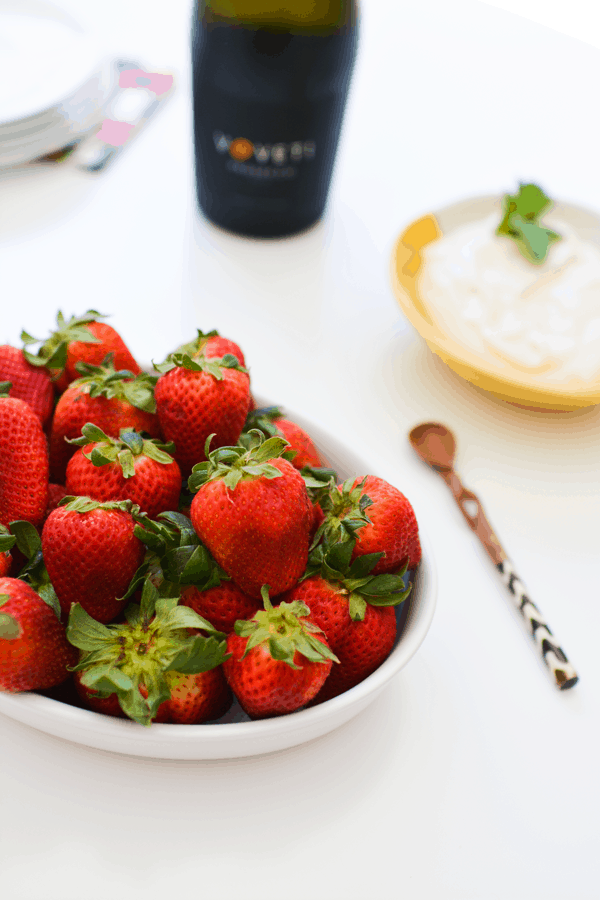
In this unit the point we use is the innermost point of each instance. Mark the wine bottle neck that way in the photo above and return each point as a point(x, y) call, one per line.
point(307, 16)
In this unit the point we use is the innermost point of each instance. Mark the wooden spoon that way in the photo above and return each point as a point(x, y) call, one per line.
point(435, 444)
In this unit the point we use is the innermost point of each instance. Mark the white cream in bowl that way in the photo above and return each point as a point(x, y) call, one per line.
point(542, 319)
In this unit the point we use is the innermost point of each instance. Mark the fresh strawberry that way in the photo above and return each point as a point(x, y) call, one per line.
point(199, 397)
point(271, 421)
point(129, 467)
point(194, 698)
point(7, 542)
point(279, 660)
point(162, 664)
point(213, 346)
point(91, 554)
point(23, 462)
point(107, 399)
point(393, 527)
point(353, 607)
point(81, 339)
point(31, 384)
point(253, 513)
point(222, 605)
point(367, 644)
point(375, 514)
point(34, 651)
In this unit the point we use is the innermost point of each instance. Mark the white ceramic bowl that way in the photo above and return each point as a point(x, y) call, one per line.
point(240, 739)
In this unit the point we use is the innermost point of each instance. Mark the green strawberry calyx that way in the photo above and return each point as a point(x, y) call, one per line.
point(263, 420)
point(5, 387)
point(122, 450)
point(199, 363)
point(106, 381)
point(52, 352)
point(175, 556)
point(284, 630)
point(318, 481)
point(333, 562)
point(194, 347)
point(234, 464)
point(344, 510)
point(134, 659)
point(86, 504)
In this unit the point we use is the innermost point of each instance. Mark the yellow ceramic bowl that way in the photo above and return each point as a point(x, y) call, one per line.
point(505, 380)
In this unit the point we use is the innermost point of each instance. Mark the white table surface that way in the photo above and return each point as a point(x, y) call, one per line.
point(471, 777)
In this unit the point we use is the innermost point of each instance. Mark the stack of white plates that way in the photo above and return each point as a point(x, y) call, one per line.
point(53, 81)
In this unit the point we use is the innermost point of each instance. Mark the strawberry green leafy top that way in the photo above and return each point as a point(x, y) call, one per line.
point(235, 464)
point(53, 351)
point(333, 562)
point(106, 381)
point(122, 450)
point(284, 630)
point(521, 222)
point(200, 363)
point(175, 556)
point(155, 640)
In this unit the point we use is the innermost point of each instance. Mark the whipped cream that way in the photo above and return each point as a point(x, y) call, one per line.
point(542, 319)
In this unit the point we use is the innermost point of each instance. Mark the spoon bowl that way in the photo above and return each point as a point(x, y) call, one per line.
point(435, 444)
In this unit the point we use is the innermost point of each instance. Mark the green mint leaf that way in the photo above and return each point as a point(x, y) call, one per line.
point(520, 222)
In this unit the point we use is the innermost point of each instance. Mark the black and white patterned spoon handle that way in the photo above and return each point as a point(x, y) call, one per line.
point(554, 657)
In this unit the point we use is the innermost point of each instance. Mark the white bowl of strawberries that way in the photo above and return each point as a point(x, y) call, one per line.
point(323, 577)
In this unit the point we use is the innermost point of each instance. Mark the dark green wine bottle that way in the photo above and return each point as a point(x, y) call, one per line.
point(270, 80)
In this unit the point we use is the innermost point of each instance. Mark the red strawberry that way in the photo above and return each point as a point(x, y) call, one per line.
point(156, 666)
point(353, 607)
point(306, 452)
point(253, 513)
point(367, 644)
point(31, 384)
point(222, 605)
point(393, 527)
point(91, 554)
point(270, 421)
point(125, 468)
point(361, 646)
point(34, 651)
point(23, 463)
point(107, 400)
point(194, 698)
point(80, 340)
point(279, 660)
point(196, 398)
point(212, 345)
